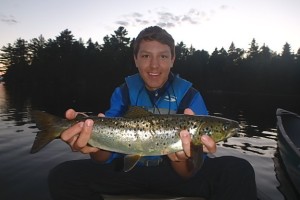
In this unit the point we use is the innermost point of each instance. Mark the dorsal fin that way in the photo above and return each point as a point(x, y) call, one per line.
point(136, 112)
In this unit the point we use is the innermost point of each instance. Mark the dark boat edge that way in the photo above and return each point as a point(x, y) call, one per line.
point(289, 152)
point(279, 113)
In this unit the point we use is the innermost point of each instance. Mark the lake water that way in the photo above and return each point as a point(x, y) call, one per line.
point(23, 175)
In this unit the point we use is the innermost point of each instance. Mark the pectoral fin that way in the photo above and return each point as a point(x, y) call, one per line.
point(196, 157)
point(130, 161)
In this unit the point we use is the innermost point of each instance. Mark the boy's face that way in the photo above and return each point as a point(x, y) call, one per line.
point(154, 61)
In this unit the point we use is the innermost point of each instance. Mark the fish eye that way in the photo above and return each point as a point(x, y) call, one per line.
point(225, 127)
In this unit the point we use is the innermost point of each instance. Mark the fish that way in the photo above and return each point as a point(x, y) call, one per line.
point(140, 133)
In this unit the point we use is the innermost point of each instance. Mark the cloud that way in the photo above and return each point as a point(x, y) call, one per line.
point(223, 7)
point(163, 18)
point(122, 23)
point(142, 22)
point(188, 19)
point(136, 14)
point(10, 20)
point(168, 17)
point(166, 24)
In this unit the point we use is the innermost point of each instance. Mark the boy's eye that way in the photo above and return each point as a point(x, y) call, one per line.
point(145, 56)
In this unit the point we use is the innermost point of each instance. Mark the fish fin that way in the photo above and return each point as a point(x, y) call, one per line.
point(130, 161)
point(137, 112)
point(48, 132)
point(196, 157)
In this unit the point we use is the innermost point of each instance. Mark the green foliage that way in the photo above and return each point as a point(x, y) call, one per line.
point(78, 72)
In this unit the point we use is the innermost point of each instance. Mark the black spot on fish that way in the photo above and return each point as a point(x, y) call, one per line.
point(195, 126)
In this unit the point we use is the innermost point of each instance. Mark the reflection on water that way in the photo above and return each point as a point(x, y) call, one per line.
point(257, 139)
point(24, 175)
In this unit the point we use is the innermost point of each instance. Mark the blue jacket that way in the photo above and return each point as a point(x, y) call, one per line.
point(176, 95)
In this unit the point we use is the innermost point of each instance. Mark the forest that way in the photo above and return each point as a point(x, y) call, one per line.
point(68, 72)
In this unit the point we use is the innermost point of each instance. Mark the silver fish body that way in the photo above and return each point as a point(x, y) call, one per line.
point(157, 134)
point(140, 133)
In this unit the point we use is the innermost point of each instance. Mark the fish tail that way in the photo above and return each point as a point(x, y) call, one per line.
point(48, 131)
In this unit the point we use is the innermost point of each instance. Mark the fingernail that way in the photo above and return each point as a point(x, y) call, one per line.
point(205, 137)
point(184, 134)
point(89, 123)
point(81, 124)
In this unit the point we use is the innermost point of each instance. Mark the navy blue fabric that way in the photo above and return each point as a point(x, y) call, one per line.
point(220, 178)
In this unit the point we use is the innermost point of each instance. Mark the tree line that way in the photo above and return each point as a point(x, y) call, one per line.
point(68, 72)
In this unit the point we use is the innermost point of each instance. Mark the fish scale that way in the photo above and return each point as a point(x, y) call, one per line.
point(160, 131)
point(139, 132)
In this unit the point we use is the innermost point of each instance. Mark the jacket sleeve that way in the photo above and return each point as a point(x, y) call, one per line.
point(197, 104)
point(118, 103)
point(193, 100)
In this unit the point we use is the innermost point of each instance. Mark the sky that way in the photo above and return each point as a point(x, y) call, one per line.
point(204, 24)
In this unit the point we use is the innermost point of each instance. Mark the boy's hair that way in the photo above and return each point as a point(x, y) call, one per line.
point(154, 33)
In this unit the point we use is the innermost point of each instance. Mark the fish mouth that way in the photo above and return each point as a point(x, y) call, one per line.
point(233, 132)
